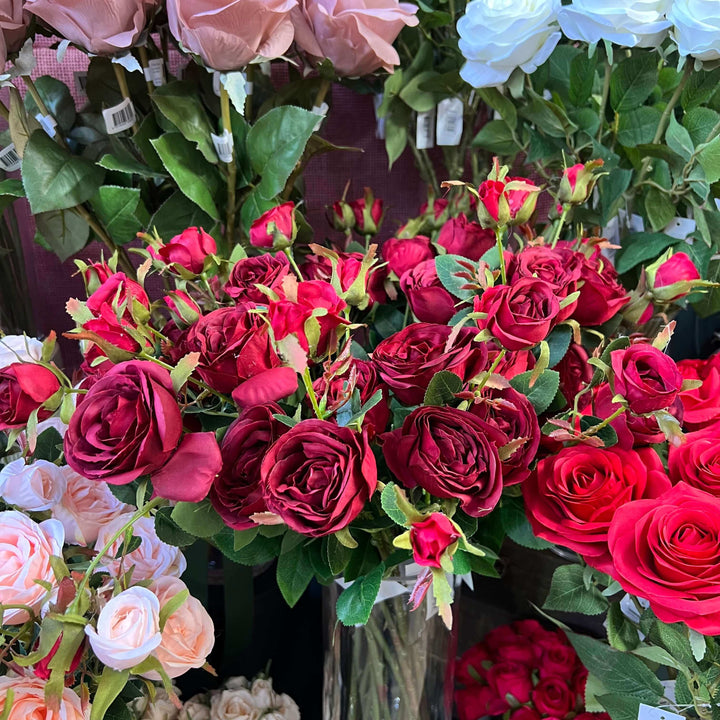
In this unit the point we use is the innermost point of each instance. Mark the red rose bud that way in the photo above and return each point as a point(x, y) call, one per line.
point(672, 276)
point(578, 183)
point(94, 275)
point(275, 228)
point(183, 308)
point(187, 250)
point(42, 668)
point(438, 213)
point(341, 216)
point(506, 202)
point(432, 538)
point(120, 293)
point(24, 389)
point(368, 213)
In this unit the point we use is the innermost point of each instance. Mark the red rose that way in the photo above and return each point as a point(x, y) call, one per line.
point(439, 208)
point(519, 650)
point(408, 360)
point(317, 267)
point(506, 202)
point(525, 713)
point(646, 377)
point(701, 405)
point(24, 389)
point(107, 327)
point(318, 477)
point(431, 537)
point(261, 270)
point(188, 250)
point(275, 228)
point(428, 298)
point(94, 275)
point(459, 236)
point(520, 315)
point(129, 424)
point(512, 363)
point(477, 702)
point(451, 454)
point(511, 678)
point(368, 213)
point(574, 370)
point(577, 183)
point(118, 292)
point(572, 497)
point(499, 636)
point(601, 294)
point(42, 670)
point(471, 668)
point(237, 493)
point(341, 216)
point(592, 716)
point(559, 660)
point(183, 309)
point(403, 254)
point(552, 696)
point(528, 628)
point(667, 550)
point(678, 268)
point(697, 461)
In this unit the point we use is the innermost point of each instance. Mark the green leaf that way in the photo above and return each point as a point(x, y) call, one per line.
point(699, 88)
point(637, 248)
point(497, 101)
point(569, 594)
point(611, 188)
point(496, 136)
point(62, 232)
point(253, 207)
point(275, 144)
point(418, 99)
point(199, 519)
point(708, 156)
point(49, 445)
point(638, 126)
point(53, 178)
point(176, 214)
point(607, 434)
point(659, 209)
point(355, 603)
point(120, 209)
point(294, 571)
point(542, 393)
point(582, 78)
point(57, 98)
point(259, 551)
point(517, 527)
point(558, 341)
point(678, 139)
point(388, 500)
point(442, 388)
point(620, 707)
point(622, 634)
point(172, 605)
point(242, 538)
point(698, 644)
point(447, 267)
point(169, 531)
point(128, 165)
point(338, 556)
point(396, 132)
point(699, 123)
point(110, 686)
point(632, 81)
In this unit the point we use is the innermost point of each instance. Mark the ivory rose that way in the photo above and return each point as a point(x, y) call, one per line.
point(18, 348)
point(29, 701)
point(34, 487)
point(234, 705)
point(697, 27)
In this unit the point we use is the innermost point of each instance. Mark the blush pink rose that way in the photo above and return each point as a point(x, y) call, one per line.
point(29, 701)
point(34, 487)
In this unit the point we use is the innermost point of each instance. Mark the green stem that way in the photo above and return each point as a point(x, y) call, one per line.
point(595, 429)
point(145, 65)
point(499, 232)
point(322, 92)
point(604, 99)
point(558, 229)
point(231, 169)
point(293, 264)
point(492, 369)
point(124, 89)
point(307, 381)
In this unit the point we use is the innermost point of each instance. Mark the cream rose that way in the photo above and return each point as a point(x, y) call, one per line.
point(234, 705)
point(285, 708)
point(196, 708)
point(29, 701)
point(262, 691)
point(19, 348)
point(498, 36)
point(128, 629)
point(34, 487)
point(25, 551)
point(162, 708)
point(697, 28)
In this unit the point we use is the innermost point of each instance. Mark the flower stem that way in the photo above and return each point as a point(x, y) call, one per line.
point(123, 258)
point(499, 232)
point(604, 99)
point(293, 264)
point(145, 65)
point(307, 381)
point(231, 170)
point(124, 89)
point(561, 224)
point(595, 429)
point(491, 370)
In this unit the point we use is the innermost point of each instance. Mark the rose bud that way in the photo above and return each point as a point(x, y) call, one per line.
point(42, 667)
point(24, 389)
point(341, 216)
point(506, 202)
point(94, 275)
point(432, 538)
point(183, 308)
point(578, 182)
point(275, 228)
point(187, 250)
point(672, 276)
point(438, 214)
point(368, 213)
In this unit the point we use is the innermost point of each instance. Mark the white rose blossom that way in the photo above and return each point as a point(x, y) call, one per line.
point(262, 691)
point(35, 487)
point(196, 708)
point(234, 705)
point(697, 28)
point(19, 348)
point(498, 36)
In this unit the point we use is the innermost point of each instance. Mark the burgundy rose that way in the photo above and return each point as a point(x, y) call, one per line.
point(559, 660)
point(24, 389)
point(552, 696)
point(601, 294)
point(275, 228)
point(451, 454)
point(478, 701)
point(408, 360)
point(403, 254)
point(512, 363)
point(519, 650)
point(431, 537)
point(572, 497)
point(472, 667)
point(702, 404)
point(526, 712)
point(318, 477)
point(317, 267)
point(188, 250)
point(250, 272)
point(106, 326)
point(511, 678)
point(575, 371)
point(459, 236)
point(428, 298)
point(117, 292)
point(129, 424)
point(439, 211)
point(697, 461)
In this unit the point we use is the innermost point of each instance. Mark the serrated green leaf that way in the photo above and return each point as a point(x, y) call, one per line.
point(169, 531)
point(294, 569)
point(542, 393)
point(622, 634)
point(632, 81)
point(355, 603)
point(388, 500)
point(442, 388)
point(708, 156)
point(569, 594)
point(448, 267)
point(121, 212)
point(678, 139)
point(199, 519)
point(242, 538)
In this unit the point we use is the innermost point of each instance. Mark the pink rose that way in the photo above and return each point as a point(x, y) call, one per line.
point(34, 487)
point(428, 298)
point(13, 24)
point(673, 279)
point(188, 250)
point(29, 700)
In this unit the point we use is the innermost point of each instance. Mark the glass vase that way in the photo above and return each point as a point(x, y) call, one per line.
point(399, 666)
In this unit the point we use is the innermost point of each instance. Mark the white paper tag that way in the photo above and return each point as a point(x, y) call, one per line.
point(48, 123)
point(265, 68)
point(680, 228)
point(647, 712)
point(248, 85)
point(9, 159)
point(380, 121)
point(425, 130)
point(155, 72)
point(322, 111)
point(216, 83)
point(449, 121)
point(80, 81)
point(223, 145)
point(119, 118)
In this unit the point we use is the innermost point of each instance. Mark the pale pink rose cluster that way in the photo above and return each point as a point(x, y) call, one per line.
point(29, 701)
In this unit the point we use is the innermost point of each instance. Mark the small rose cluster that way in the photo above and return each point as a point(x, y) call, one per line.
point(524, 672)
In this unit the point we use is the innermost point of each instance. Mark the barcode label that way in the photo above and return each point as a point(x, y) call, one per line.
point(155, 72)
point(9, 159)
point(223, 145)
point(81, 82)
point(119, 118)
point(450, 121)
point(425, 131)
point(380, 121)
point(48, 123)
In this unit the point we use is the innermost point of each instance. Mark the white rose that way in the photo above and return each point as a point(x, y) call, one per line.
point(34, 487)
point(629, 23)
point(262, 691)
point(697, 28)
point(196, 708)
point(285, 709)
point(234, 705)
point(162, 708)
point(497, 36)
point(128, 629)
point(238, 682)
point(18, 348)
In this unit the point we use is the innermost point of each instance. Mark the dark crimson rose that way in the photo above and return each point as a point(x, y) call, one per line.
point(558, 660)
point(25, 388)
point(274, 228)
point(261, 270)
point(511, 678)
point(408, 360)
point(451, 454)
point(428, 298)
point(697, 461)
point(129, 424)
point(525, 712)
point(237, 492)
point(368, 212)
point(701, 405)
point(431, 537)
point(267, 386)
point(117, 292)
point(188, 250)
point(552, 696)
point(667, 550)
point(317, 267)
point(520, 315)
point(572, 497)
point(472, 667)
point(499, 637)
point(575, 371)
point(318, 476)
point(519, 650)
point(403, 254)
point(592, 716)
point(512, 363)
point(646, 377)
point(459, 236)
point(601, 294)
point(528, 628)
point(479, 701)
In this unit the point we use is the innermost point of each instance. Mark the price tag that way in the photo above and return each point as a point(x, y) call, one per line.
point(380, 121)
point(120, 117)
point(155, 72)
point(223, 145)
point(425, 130)
point(647, 712)
point(449, 121)
point(9, 159)
point(48, 123)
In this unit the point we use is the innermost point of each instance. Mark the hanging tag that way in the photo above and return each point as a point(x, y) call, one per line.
point(265, 68)
point(322, 111)
point(248, 85)
point(155, 72)
point(223, 145)
point(380, 121)
point(450, 121)
point(216, 83)
point(647, 712)
point(48, 123)
point(425, 131)
point(80, 82)
point(9, 159)
point(119, 118)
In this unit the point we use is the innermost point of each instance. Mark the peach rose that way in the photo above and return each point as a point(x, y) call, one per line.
point(25, 551)
point(103, 27)
point(29, 701)
point(228, 34)
point(356, 35)
point(86, 506)
point(34, 487)
point(152, 559)
point(128, 629)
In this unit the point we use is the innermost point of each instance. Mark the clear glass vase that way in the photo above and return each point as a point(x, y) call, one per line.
point(397, 667)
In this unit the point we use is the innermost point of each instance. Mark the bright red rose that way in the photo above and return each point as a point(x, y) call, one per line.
point(575, 371)
point(511, 678)
point(471, 668)
point(403, 254)
point(459, 236)
point(318, 477)
point(129, 424)
point(107, 327)
point(42, 669)
point(94, 275)
point(408, 360)
point(428, 298)
point(697, 461)
point(317, 267)
point(275, 228)
point(451, 454)
point(506, 202)
point(519, 650)
point(188, 250)
point(559, 660)
point(701, 405)
point(677, 268)
point(646, 377)
point(477, 702)
point(24, 389)
point(601, 294)
point(525, 712)
point(572, 497)
point(431, 537)
point(248, 273)
point(117, 292)
point(520, 315)
point(552, 696)
point(667, 550)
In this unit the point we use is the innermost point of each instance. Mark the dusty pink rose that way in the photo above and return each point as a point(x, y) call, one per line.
point(356, 35)
point(228, 34)
point(13, 25)
point(29, 701)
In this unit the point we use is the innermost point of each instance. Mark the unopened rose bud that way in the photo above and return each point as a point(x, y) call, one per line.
point(341, 216)
point(183, 309)
point(578, 183)
point(672, 277)
point(506, 202)
point(368, 213)
point(275, 228)
point(433, 537)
